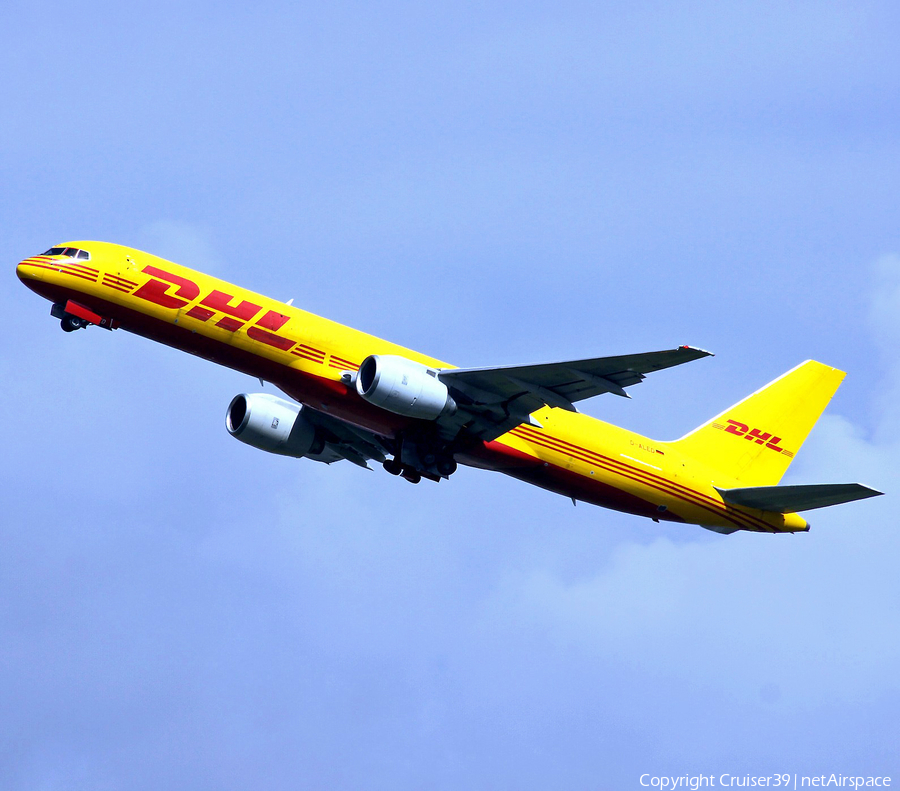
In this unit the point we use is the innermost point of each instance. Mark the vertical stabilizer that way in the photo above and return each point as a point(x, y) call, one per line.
point(754, 441)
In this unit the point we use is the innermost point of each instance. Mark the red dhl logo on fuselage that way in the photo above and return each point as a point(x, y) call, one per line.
point(754, 434)
point(157, 290)
point(176, 292)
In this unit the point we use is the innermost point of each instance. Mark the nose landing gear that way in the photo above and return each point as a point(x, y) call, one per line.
point(71, 323)
point(75, 316)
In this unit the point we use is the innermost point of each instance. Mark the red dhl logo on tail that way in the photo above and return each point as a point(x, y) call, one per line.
point(753, 434)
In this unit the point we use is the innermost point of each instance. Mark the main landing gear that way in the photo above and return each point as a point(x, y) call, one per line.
point(413, 464)
point(395, 467)
point(446, 467)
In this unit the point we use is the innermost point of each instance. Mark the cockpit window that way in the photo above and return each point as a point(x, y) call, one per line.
point(71, 252)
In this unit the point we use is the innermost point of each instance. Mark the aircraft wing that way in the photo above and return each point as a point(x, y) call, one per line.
point(493, 401)
point(346, 441)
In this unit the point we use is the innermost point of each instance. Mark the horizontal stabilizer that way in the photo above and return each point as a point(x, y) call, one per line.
point(789, 499)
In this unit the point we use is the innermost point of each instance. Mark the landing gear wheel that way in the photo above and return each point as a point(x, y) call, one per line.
point(446, 467)
point(393, 466)
point(412, 475)
point(71, 323)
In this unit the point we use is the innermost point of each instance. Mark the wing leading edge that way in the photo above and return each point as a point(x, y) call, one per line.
point(493, 401)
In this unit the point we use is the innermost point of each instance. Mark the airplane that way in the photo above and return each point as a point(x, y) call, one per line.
point(358, 398)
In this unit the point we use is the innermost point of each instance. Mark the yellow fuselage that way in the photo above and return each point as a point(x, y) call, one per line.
point(304, 355)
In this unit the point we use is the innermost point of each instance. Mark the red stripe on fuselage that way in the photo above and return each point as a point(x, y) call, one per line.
point(311, 350)
point(318, 392)
point(337, 399)
point(120, 280)
point(76, 273)
point(645, 477)
point(524, 467)
point(116, 287)
point(663, 484)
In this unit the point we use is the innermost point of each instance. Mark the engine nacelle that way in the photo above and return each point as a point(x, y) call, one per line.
point(403, 387)
point(274, 425)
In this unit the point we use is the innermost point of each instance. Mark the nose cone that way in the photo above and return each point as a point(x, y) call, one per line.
point(28, 271)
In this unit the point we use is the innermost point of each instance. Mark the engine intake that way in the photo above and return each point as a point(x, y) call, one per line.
point(403, 387)
point(274, 425)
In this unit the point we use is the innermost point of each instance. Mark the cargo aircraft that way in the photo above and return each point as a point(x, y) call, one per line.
point(358, 398)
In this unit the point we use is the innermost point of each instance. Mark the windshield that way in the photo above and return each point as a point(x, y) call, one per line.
point(71, 252)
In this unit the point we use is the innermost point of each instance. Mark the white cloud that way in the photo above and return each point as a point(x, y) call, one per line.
point(808, 619)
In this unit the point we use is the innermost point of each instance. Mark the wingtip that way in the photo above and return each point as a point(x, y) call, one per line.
point(701, 352)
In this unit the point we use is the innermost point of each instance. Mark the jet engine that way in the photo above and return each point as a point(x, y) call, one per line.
point(274, 425)
point(403, 387)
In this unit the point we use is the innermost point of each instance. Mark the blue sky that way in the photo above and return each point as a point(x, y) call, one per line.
point(489, 184)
